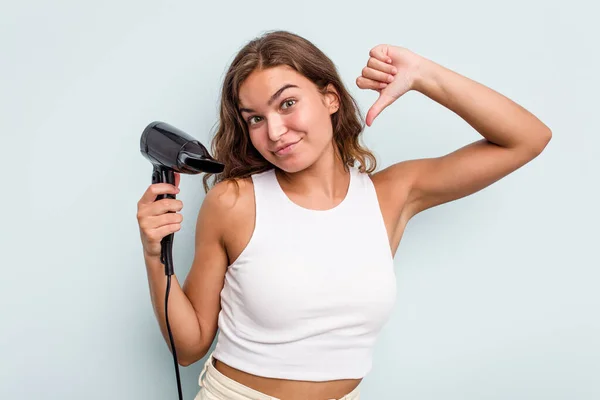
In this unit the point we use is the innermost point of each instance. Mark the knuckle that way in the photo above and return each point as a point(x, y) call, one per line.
point(165, 204)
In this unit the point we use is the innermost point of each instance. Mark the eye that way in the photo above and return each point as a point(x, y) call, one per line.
point(284, 105)
point(251, 119)
point(288, 103)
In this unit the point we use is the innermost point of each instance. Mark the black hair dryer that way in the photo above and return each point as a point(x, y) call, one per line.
point(171, 150)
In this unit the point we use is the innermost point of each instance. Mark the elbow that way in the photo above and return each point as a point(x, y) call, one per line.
point(546, 137)
point(191, 358)
point(185, 363)
point(542, 140)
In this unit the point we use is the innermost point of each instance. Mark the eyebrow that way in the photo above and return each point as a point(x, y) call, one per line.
point(272, 99)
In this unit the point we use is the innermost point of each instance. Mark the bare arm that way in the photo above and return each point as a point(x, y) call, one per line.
point(193, 308)
point(512, 136)
point(206, 278)
point(182, 317)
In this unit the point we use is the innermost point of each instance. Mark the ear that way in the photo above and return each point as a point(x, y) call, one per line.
point(332, 99)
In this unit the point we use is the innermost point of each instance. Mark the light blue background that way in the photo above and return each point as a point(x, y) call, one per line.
point(498, 292)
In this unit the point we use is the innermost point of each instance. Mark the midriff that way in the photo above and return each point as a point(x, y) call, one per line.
point(285, 389)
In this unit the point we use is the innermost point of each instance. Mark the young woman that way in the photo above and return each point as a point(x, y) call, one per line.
point(295, 241)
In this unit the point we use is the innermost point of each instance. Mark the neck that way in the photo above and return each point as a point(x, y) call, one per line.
point(325, 181)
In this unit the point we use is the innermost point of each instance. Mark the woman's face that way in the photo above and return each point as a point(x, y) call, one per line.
point(288, 119)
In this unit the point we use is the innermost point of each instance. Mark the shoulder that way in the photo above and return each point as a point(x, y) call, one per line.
point(226, 194)
point(230, 197)
point(395, 180)
point(228, 204)
point(394, 186)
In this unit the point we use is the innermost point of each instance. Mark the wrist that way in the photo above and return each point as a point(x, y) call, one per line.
point(424, 75)
point(151, 258)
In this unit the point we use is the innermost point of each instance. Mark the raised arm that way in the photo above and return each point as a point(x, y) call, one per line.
point(512, 136)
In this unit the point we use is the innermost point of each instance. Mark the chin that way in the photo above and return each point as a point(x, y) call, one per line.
point(291, 166)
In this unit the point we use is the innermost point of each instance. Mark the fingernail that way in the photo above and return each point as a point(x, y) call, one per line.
point(394, 70)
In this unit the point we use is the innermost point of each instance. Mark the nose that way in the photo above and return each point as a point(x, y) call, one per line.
point(276, 128)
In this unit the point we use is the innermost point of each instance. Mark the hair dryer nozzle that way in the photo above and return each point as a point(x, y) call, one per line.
point(166, 146)
point(190, 161)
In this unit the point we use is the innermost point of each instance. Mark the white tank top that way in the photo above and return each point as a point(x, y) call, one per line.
point(309, 294)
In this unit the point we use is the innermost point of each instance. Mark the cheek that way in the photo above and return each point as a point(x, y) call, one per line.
point(299, 120)
point(258, 138)
point(261, 142)
point(317, 125)
point(308, 121)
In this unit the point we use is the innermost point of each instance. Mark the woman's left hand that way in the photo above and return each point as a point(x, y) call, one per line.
point(391, 71)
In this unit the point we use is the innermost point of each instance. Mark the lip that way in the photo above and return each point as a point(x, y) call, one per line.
point(286, 148)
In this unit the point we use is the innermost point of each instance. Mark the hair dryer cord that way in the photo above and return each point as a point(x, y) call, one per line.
point(167, 260)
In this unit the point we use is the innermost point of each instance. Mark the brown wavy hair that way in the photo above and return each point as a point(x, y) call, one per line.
point(231, 143)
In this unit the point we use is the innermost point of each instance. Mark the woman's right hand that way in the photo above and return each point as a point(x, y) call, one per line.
point(158, 219)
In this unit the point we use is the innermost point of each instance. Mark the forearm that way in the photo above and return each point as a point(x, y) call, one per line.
point(494, 116)
point(183, 321)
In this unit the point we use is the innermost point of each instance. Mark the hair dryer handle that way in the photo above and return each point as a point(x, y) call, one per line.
point(161, 174)
point(165, 175)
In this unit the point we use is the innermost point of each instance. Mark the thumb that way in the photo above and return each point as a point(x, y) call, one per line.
point(382, 102)
point(177, 179)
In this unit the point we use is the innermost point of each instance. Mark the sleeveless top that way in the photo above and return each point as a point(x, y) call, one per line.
point(310, 292)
